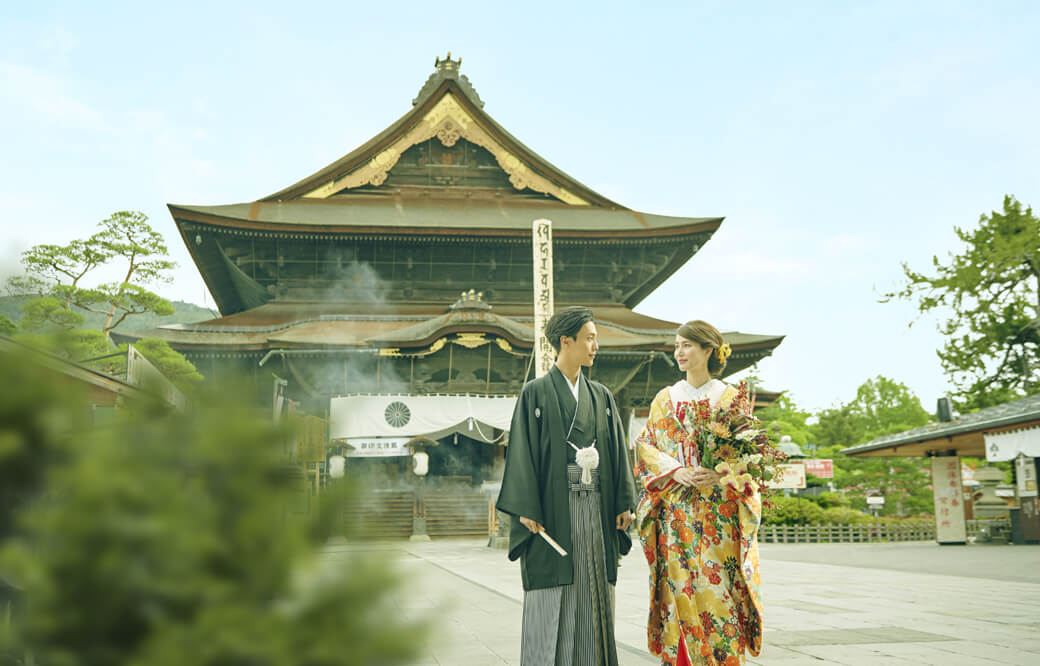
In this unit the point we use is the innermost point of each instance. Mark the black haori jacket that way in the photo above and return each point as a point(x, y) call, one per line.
point(534, 484)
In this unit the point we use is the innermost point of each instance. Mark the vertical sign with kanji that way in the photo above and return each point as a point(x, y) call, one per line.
point(950, 526)
point(541, 234)
point(1025, 475)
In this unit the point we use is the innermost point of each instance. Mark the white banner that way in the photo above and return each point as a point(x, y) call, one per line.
point(433, 416)
point(635, 427)
point(377, 447)
point(541, 236)
point(1007, 445)
point(950, 526)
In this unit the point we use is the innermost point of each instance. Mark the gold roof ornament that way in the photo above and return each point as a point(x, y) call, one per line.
point(447, 63)
point(471, 300)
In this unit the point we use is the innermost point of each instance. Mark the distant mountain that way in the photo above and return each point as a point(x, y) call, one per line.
point(187, 313)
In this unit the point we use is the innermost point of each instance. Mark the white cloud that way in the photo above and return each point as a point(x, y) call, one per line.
point(45, 94)
point(847, 244)
point(60, 42)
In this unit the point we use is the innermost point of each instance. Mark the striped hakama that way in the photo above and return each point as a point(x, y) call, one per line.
point(573, 625)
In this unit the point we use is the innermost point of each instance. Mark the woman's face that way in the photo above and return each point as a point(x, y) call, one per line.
point(690, 355)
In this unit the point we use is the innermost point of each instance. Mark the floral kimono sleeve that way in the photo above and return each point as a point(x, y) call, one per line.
point(656, 451)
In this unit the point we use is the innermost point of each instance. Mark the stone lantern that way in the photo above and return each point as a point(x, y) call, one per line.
point(988, 505)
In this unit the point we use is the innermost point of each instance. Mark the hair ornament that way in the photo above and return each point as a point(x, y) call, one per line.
point(723, 352)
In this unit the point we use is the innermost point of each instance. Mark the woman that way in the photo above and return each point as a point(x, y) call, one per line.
point(698, 536)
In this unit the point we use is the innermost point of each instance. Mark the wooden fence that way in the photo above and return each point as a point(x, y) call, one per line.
point(910, 530)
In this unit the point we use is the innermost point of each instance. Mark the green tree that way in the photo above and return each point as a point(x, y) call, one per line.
point(49, 313)
point(992, 291)
point(85, 345)
point(882, 406)
point(171, 363)
point(168, 538)
point(902, 481)
point(75, 345)
point(789, 419)
point(7, 327)
point(57, 275)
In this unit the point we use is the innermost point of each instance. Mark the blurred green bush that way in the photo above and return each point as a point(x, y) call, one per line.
point(163, 538)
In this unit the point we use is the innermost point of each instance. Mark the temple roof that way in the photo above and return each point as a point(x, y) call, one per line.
point(449, 109)
point(456, 191)
point(410, 329)
point(363, 254)
point(439, 217)
point(445, 172)
point(963, 434)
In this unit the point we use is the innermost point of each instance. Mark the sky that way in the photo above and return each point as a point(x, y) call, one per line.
point(837, 139)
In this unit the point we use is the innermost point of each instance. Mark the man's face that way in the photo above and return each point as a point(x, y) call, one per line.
point(583, 346)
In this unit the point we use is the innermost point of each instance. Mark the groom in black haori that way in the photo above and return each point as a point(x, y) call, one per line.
point(568, 487)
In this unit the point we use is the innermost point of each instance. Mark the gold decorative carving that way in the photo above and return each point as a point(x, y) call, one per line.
point(504, 345)
point(448, 134)
point(435, 347)
point(390, 351)
point(471, 340)
point(449, 122)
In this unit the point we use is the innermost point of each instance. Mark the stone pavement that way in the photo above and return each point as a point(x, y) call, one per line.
point(854, 604)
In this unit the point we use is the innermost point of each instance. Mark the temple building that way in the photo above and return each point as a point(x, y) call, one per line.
point(391, 292)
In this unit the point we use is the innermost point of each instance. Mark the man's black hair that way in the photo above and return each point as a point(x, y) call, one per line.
point(567, 321)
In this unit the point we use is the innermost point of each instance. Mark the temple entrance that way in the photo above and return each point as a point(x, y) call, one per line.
point(422, 460)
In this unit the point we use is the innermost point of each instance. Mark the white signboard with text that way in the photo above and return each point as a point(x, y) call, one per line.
point(541, 235)
point(1025, 476)
point(788, 476)
point(950, 526)
point(377, 447)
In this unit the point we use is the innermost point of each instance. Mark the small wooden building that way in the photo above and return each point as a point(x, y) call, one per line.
point(1005, 432)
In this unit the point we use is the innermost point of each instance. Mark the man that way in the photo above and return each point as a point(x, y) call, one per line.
point(563, 419)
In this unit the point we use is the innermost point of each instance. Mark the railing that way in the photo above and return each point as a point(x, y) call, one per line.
point(455, 513)
point(848, 533)
point(387, 514)
point(911, 530)
point(382, 514)
point(991, 529)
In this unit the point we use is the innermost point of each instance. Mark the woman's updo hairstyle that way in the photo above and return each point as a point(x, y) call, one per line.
point(707, 336)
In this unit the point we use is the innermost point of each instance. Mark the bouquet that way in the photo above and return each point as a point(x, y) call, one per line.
point(733, 442)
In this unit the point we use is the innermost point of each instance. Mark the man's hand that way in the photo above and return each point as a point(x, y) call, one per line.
point(624, 520)
point(531, 525)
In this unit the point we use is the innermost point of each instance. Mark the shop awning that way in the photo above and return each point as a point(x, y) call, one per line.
point(433, 416)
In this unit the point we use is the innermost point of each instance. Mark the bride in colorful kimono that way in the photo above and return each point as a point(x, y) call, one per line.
point(699, 536)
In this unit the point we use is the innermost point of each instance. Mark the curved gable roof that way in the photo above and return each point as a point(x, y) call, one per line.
point(447, 108)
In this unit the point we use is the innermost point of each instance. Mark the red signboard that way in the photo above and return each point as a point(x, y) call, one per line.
point(821, 468)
